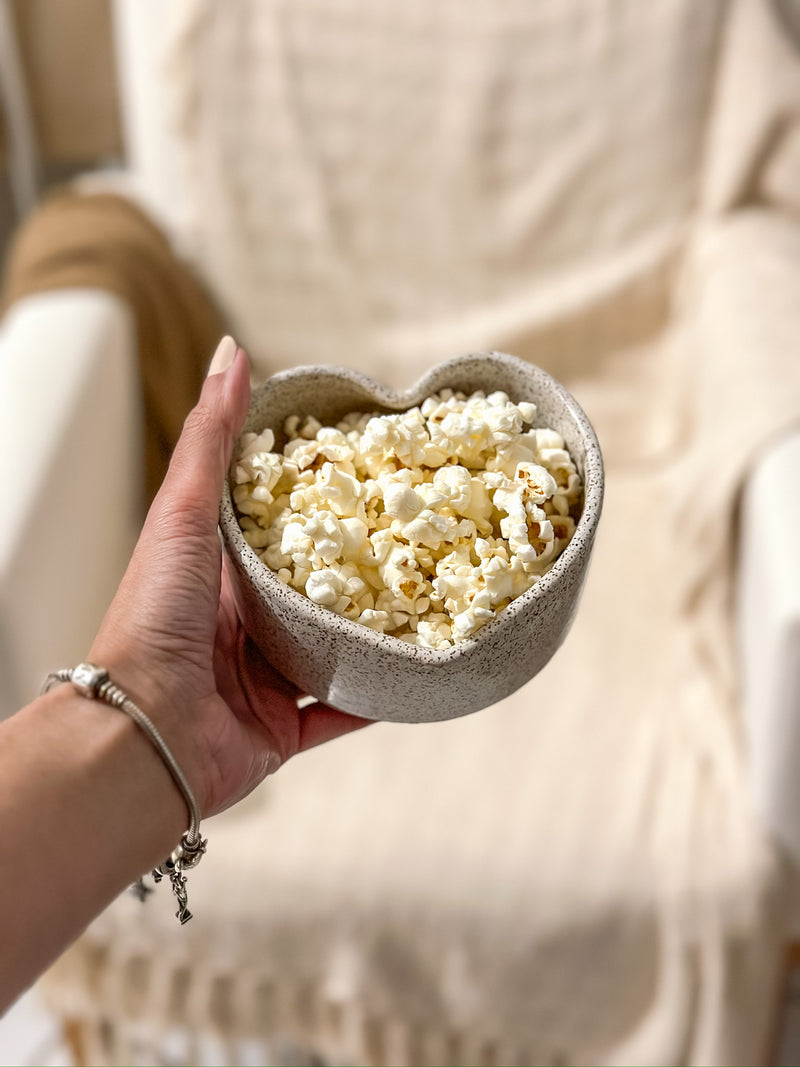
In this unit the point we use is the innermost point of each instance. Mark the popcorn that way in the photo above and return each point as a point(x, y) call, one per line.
point(422, 524)
point(325, 587)
point(538, 483)
point(333, 445)
point(376, 620)
point(341, 490)
point(455, 485)
point(431, 529)
point(296, 544)
point(326, 536)
point(356, 546)
point(401, 502)
point(302, 452)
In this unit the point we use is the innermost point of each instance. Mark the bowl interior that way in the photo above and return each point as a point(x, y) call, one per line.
point(329, 393)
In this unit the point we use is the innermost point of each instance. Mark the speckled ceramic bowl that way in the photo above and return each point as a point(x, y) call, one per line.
point(374, 675)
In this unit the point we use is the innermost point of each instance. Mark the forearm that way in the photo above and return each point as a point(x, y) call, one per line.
point(86, 803)
point(86, 806)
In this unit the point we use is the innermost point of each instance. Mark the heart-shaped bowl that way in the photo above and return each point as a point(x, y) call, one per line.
point(375, 675)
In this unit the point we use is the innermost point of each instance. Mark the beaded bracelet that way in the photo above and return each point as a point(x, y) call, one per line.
point(94, 683)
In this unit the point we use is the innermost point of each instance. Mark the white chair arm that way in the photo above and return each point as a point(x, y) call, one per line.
point(768, 620)
point(70, 478)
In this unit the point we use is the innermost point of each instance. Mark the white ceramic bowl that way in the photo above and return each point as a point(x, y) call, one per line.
point(375, 675)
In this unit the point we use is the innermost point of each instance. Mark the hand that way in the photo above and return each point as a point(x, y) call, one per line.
point(172, 638)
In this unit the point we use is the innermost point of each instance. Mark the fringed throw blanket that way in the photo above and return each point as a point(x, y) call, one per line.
point(574, 875)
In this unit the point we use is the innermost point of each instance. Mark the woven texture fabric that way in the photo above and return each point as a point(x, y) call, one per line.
point(381, 185)
point(574, 875)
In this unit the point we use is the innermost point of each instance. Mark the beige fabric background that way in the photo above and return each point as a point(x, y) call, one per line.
point(384, 185)
point(572, 876)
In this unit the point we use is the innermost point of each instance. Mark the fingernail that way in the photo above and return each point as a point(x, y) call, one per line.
point(223, 357)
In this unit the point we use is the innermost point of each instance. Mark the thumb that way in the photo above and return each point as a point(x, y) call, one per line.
point(193, 484)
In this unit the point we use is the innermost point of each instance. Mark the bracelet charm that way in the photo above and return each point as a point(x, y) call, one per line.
point(94, 683)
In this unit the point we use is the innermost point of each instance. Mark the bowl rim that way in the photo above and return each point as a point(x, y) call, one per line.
point(399, 400)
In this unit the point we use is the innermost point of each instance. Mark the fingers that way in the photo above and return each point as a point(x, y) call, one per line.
point(319, 723)
point(202, 455)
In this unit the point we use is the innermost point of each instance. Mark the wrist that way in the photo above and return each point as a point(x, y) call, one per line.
point(108, 767)
point(150, 687)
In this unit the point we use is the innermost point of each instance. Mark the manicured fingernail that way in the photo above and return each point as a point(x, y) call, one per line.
point(223, 357)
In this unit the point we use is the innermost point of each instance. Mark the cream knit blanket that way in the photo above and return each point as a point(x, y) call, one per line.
point(574, 875)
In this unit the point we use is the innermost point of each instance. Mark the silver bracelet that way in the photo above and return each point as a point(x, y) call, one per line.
point(94, 683)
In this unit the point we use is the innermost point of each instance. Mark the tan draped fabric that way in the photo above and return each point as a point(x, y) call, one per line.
point(76, 240)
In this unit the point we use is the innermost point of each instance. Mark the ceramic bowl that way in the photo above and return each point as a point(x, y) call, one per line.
point(374, 675)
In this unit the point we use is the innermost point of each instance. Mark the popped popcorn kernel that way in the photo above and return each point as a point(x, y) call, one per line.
point(423, 524)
